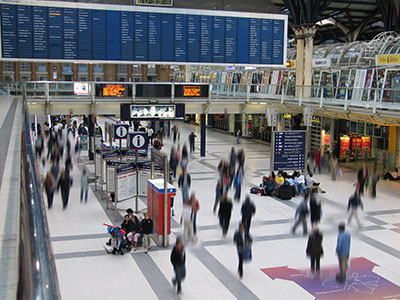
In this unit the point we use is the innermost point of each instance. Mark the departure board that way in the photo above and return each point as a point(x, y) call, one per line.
point(289, 150)
point(66, 31)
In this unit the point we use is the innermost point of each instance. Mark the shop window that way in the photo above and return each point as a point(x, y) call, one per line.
point(25, 67)
point(26, 77)
point(82, 68)
point(67, 68)
point(8, 66)
point(122, 69)
point(67, 78)
point(41, 67)
point(98, 68)
point(122, 78)
point(8, 78)
point(82, 78)
point(98, 78)
point(41, 77)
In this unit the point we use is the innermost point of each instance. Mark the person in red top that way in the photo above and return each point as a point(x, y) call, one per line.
point(195, 208)
point(317, 160)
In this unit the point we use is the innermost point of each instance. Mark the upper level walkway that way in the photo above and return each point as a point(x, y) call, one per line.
point(60, 97)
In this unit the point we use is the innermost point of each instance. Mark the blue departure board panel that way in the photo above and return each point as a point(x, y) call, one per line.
point(113, 35)
point(219, 40)
point(266, 42)
point(40, 35)
point(68, 31)
point(56, 42)
point(141, 39)
point(180, 37)
point(193, 38)
point(25, 36)
point(99, 31)
point(230, 39)
point(206, 39)
point(168, 37)
point(84, 34)
point(127, 35)
point(154, 37)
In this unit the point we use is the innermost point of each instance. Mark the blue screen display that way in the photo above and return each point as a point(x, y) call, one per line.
point(54, 33)
point(289, 150)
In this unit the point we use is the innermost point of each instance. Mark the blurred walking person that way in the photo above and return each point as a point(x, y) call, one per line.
point(48, 186)
point(315, 209)
point(301, 216)
point(353, 204)
point(187, 221)
point(242, 240)
point(238, 184)
point(248, 210)
point(84, 185)
point(184, 183)
point(314, 249)
point(343, 252)
point(224, 214)
point(374, 181)
point(195, 209)
point(192, 137)
point(64, 183)
point(178, 260)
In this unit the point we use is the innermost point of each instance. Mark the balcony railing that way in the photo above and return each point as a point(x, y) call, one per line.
point(346, 97)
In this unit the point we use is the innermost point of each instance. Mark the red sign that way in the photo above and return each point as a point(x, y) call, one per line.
point(353, 143)
point(344, 145)
point(327, 139)
point(366, 144)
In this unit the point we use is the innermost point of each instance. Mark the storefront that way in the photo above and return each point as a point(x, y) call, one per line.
point(361, 140)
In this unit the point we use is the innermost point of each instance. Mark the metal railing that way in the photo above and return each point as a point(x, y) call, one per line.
point(370, 98)
point(37, 271)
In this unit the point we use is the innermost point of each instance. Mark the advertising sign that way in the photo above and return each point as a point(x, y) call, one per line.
point(344, 145)
point(81, 88)
point(84, 142)
point(152, 111)
point(289, 150)
point(366, 145)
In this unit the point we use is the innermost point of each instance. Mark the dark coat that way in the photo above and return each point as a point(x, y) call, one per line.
point(315, 211)
point(248, 210)
point(238, 239)
point(178, 258)
point(147, 226)
point(225, 209)
point(127, 226)
point(314, 244)
point(181, 177)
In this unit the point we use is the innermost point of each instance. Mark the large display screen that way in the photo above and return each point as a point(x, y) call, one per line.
point(59, 31)
point(153, 111)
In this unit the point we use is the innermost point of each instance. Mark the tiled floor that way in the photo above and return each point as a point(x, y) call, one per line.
point(279, 268)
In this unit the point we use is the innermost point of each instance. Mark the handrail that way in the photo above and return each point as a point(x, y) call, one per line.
point(37, 276)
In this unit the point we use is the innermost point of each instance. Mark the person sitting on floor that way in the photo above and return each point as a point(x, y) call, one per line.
point(392, 175)
point(267, 187)
point(312, 185)
point(280, 180)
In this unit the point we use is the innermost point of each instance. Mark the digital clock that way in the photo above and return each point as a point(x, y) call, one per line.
point(155, 2)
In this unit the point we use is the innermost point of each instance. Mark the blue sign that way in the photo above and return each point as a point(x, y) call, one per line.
point(121, 131)
point(289, 150)
point(56, 31)
point(138, 140)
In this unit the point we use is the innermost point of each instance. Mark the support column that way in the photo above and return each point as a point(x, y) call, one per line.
point(187, 73)
point(299, 60)
point(144, 69)
point(203, 135)
point(309, 34)
point(92, 141)
point(332, 134)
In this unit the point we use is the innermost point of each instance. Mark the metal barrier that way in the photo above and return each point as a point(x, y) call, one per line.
point(344, 97)
point(37, 271)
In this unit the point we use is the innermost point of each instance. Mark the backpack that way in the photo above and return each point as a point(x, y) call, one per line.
point(254, 190)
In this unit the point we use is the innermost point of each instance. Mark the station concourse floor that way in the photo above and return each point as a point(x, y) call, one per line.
point(279, 268)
